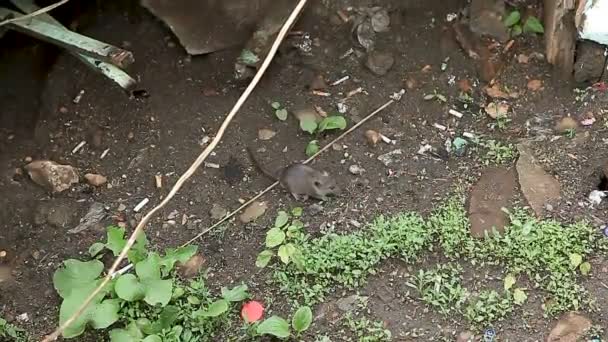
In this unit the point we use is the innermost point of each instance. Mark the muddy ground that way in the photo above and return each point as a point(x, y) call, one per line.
point(162, 135)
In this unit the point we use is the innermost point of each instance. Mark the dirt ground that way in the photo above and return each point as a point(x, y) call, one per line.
point(162, 134)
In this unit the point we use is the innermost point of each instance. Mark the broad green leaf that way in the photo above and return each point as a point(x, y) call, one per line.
point(509, 282)
point(533, 25)
point(332, 122)
point(116, 239)
point(519, 296)
point(168, 316)
point(274, 237)
point(281, 114)
point(76, 274)
point(192, 299)
point(516, 30)
point(152, 338)
point(302, 319)
point(285, 252)
point(181, 255)
point(139, 250)
point(281, 220)
point(312, 148)
point(129, 334)
point(575, 260)
point(105, 313)
point(216, 308)
point(296, 212)
point(247, 57)
point(585, 268)
point(158, 291)
point(98, 314)
point(264, 258)
point(127, 287)
point(96, 248)
point(236, 294)
point(149, 268)
point(512, 19)
point(308, 125)
point(275, 105)
point(274, 326)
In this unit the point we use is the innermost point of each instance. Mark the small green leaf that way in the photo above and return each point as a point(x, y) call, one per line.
point(519, 296)
point(332, 122)
point(181, 254)
point(585, 268)
point(512, 19)
point(575, 260)
point(116, 239)
point(129, 334)
point(275, 326)
point(216, 308)
point(286, 251)
point(509, 282)
point(302, 319)
point(127, 287)
point(274, 237)
point(281, 114)
point(168, 316)
point(533, 25)
point(139, 250)
point(152, 338)
point(516, 30)
point(248, 57)
point(236, 294)
point(275, 105)
point(96, 248)
point(312, 148)
point(296, 212)
point(76, 274)
point(281, 220)
point(264, 258)
point(158, 291)
point(308, 125)
point(191, 299)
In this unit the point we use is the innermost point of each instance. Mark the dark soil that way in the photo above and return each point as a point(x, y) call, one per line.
point(162, 134)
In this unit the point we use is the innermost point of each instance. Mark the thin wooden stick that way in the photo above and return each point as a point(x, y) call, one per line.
point(35, 13)
point(372, 114)
point(197, 163)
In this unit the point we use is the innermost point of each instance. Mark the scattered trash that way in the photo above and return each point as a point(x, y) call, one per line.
point(489, 335)
point(212, 165)
point(266, 134)
point(321, 93)
point(158, 180)
point(460, 146)
point(341, 80)
point(356, 169)
point(439, 126)
point(596, 196)
point(141, 204)
point(78, 97)
point(398, 95)
point(217, 212)
point(588, 119)
point(342, 108)
point(455, 113)
point(96, 213)
point(390, 157)
point(104, 153)
point(379, 63)
point(253, 211)
point(78, 147)
point(24, 317)
point(606, 231)
point(424, 149)
point(570, 327)
point(52, 176)
point(95, 179)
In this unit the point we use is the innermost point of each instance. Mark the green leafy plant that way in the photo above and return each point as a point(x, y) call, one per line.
point(516, 27)
point(497, 152)
point(488, 307)
point(570, 133)
point(9, 332)
point(279, 327)
point(366, 330)
point(281, 237)
point(441, 287)
point(436, 96)
point(312, 147)
point(331, 122)
point(279, 111)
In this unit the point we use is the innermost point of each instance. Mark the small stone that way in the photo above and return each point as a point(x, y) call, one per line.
point(348, 304)
point(379, 63)
point(122, 207)
point(36, 255)
point(522, 59)
point(390, 157)
point(537, 186)
point(253, 211)
point(356, 169)
point(95, 179)
point(570, 328)
point(218, 212)
point(380, 20)
point(315, 209)
point(2, 254)
point(465, 336)
point(52, 176)
point(266, 134)
point(96, 213)
point(27, 159)
point(63, 110)
point(372, 137)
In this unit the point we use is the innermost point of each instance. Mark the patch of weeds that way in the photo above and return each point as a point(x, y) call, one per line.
point(152, 304)
point(450, 226)
point(312, 125)
point(570, 133)
point(502, 121)
point(516, 27)
point(441, 287)
point(10, 332)
point(488, 307)
point(366, 330)
point(347, 259)
point(497, 152)
point(436, 96)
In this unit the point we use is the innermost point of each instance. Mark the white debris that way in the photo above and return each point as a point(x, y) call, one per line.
point(78, 147)
point(343, 79)
point(141, 204)
point(593, 26)
point(596, 196)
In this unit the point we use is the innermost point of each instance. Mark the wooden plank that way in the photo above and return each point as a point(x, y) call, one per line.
point(560, 36)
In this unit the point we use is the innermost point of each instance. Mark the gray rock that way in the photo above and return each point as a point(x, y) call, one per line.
point(52, 176)
point(379, 63)
point(96, 213)
point(217, 212)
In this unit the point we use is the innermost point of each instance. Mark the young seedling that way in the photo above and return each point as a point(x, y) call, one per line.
point(279, 111)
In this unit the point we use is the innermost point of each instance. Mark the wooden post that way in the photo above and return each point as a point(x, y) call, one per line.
point(560, 35)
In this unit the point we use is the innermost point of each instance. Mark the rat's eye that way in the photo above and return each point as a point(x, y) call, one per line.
point(317, 183)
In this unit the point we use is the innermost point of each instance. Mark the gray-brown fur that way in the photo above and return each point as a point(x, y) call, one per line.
point(301, 180)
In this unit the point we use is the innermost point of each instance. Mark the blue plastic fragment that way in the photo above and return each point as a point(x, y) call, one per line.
point(489, 335)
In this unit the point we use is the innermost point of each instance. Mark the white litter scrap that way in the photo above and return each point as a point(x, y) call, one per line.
point(141, 204)
point(596, 196)
point(343, 79)
point(591, 22)
point(78, 147)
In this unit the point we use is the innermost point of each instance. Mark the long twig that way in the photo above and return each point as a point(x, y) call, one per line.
point(270, 187)
point(35, 13)
point(282, 33)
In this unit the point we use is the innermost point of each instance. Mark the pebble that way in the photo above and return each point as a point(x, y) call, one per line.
point(356, 169)
point(122, 207)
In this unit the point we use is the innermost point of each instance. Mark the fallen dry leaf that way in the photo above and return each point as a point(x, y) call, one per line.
point(496, 110)
point(192, 267)
point(465, 85)
point(266, 134)
point(372, 137)
point(95, 179)
point(253, 211)
point(495, 92)
point(523, 59)
point(535, 85)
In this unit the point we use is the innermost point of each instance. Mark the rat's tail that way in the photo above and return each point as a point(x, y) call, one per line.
point(267, 172)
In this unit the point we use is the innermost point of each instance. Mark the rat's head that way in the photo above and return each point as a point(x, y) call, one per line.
point(325, 184)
